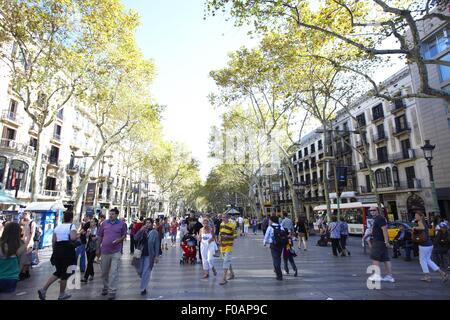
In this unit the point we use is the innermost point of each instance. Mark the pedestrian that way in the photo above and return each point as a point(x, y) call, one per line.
point(149, 239)
point(246, 225)
point(442, 245)
point(403, 239)
point(173, 232)
point(183, 227)
point(196, 230)
point(227, 234)
point(91, 249)
point(63, 256)
point(344, 236)
point(136, 227)
point(166, 230)
point(265, 224)
point(287, 223)
point(302, 233)
point(274, 237)
point(36, 241)
point(11, 248)
point(335, 234)
point(81, 248)
point(28, 232)
point(240, 221)
point(379, 246)
point(254, 223)
point(288, 255)
point(426, 248)
point(208, 247)
point(158, 227)
point(110, 237)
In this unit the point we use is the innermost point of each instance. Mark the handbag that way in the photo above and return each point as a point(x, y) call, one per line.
point(137, 253)
point(419, 237)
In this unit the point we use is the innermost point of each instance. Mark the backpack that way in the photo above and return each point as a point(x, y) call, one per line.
point(280, 237)
point(37, 233)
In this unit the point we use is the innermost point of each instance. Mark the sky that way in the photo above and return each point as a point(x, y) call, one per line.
point(185, 48)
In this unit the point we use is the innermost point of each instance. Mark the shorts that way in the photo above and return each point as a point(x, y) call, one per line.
point(227, 259)
point(379, 252)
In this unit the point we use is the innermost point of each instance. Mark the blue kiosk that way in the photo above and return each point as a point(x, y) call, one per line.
point(47, 215)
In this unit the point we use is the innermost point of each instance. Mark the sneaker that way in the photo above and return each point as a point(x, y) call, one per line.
point(104, 292)
point(295, 274)
point(65, 296)
point(231, 277)
point(41, 293)
point(388, 278)
point(375, 277)
point(144, 292)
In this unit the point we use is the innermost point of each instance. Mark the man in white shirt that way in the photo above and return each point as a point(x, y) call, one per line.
point(241, 225)
point(275, 249)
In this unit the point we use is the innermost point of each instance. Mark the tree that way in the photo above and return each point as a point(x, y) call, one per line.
point(48, 46)
point(364, 25)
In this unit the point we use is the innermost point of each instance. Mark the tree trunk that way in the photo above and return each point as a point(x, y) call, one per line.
point(36, 171)
point(84, 182)
point(287, 166)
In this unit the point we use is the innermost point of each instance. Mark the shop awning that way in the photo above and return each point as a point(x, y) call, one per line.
point(7, 199)
point(45, 206)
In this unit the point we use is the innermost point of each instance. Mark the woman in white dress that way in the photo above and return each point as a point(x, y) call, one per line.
point(208, 248)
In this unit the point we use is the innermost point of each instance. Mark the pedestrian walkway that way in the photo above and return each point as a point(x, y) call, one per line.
point(321, 276)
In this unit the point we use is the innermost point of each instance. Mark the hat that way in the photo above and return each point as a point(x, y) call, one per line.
point(443, 225)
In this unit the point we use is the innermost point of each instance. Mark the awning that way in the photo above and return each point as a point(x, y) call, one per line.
point(351, 205)
point(45, 206)
point(232, 211)
point(7, 199)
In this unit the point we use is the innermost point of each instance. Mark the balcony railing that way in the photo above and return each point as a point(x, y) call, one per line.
point(51, 193)
point(72, 169)
point(380, 137)
point(397, 106)
point(53, 161)
point(404, 156)
point(10, 116)
point(15, 146)
point(57, 136)
point(402, 129)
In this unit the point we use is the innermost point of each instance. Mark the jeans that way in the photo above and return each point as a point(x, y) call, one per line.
point(81, 252)
point(110, 271)
point(276, 258)
point(343, 241)
point(254, 229)
point(336, 246)
point(8, 285)
point(132, 244)
point(146, 270)
point(441, 258)
point(90, 264)
point(425, 259)
point(291, 261)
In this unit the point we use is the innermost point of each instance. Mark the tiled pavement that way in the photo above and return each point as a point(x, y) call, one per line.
point(321, 276)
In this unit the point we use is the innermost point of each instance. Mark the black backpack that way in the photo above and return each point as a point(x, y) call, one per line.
point(280, 237)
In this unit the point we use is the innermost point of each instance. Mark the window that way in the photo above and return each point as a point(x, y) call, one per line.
point(54, 155)
point(57, 133)
point(436, 44)
point(33, 143)
point(380, 178)
point(306, 164)
point(395, 176)
point(306, 151)
point(405, 147)
point(313, 148)
point(13, 107)
point(17, 168)
point(400, 123)
point(60, 114)
point(50, 183)
point(444, 70)
point(361, 119)
point(299, 154)
point(382, 154)
point(388, 177)
point(377, 112)
point(368, 184)
point(380, 131)
point(410, 176)
point(69, 183)
point(345, 126)
point(319, 145)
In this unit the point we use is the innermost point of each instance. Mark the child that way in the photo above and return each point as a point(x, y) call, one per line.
point(289, 254)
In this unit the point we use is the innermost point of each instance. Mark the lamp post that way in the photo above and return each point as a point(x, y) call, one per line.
point(428, 155)
point(299, 189)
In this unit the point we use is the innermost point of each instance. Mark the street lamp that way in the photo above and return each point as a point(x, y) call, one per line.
point(428, 155)
point(299, 189)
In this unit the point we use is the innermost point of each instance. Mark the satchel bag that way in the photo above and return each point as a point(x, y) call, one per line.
point(419, 237)
point(137, 253)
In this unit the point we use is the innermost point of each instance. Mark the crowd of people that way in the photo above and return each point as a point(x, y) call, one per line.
point(202, 239)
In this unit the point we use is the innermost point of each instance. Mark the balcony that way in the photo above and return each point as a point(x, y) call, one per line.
point(56, 138)
point(53, 161)
point(404, 156)
point(380, 138)
point(400, 130)
point(51, 193)
point(16, 147)
point(11, 118)
point(398, 107)
point(362, 166)
point(72, 169)
point(377, 117)
point(365, 189)
point(360, 144)
point(83, 171)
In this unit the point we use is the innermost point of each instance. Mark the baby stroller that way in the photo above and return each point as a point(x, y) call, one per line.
point(189, 247)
